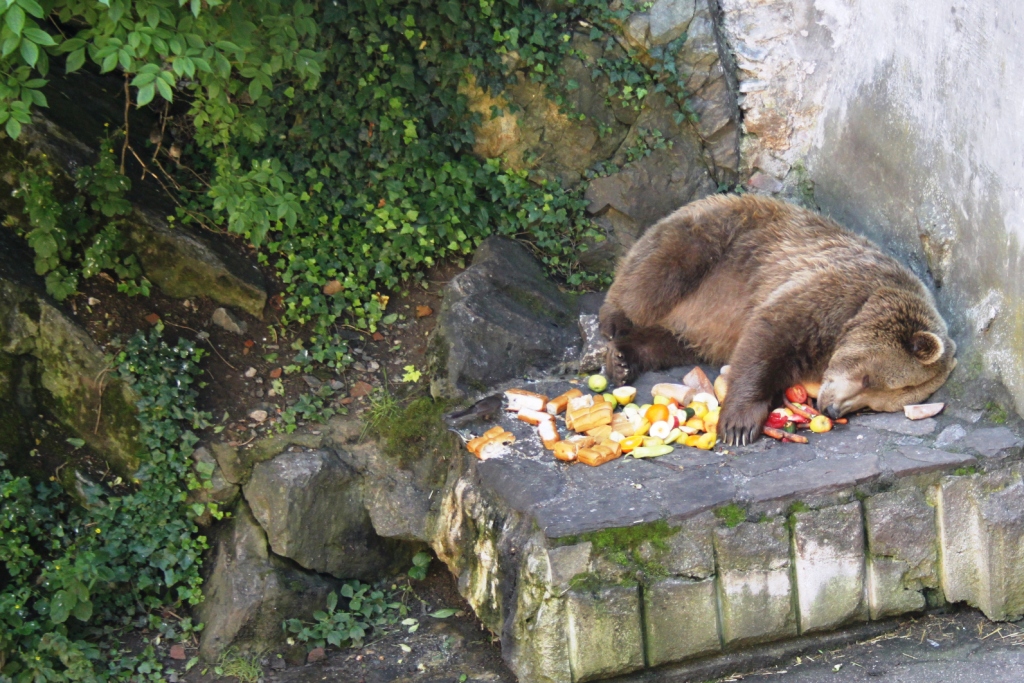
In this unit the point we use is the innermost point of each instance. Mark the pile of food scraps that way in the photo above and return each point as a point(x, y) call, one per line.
point(605, 426)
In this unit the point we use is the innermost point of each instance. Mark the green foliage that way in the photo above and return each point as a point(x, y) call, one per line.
point(79, 225)
point(364, 178)
point(368, 610)
point(797, 506)
point(368, 179)
point(420, 562)
point(732, 515)
point(965, 471)
point(211, 49)
point(73, 574)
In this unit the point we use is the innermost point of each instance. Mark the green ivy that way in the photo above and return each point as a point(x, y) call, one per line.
point(79, 226)
point(213, 50)
point(76, 577)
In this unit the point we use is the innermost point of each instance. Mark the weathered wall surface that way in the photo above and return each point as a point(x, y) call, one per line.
point(904, 119)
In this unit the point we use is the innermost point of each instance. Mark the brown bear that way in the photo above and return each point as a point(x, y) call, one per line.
point(783, 295)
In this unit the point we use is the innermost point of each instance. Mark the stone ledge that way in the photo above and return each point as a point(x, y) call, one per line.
point(591, 573)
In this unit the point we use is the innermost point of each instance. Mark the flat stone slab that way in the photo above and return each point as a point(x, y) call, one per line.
point(595, 572)
point(571, 499)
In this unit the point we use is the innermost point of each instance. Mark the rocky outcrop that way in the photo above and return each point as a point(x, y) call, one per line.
point(500, 318)
point(310, 504)
point(49, 363)
point(249, 591)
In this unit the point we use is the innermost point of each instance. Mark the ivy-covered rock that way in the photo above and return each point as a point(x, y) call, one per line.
point(64, 139)
point(500, 318)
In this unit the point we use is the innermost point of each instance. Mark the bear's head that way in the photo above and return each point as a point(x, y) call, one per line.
point(895, 352)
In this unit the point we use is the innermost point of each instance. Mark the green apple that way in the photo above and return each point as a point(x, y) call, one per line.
point(597, 383)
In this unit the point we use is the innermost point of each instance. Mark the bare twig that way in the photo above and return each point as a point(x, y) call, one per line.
point(127, 108)
point(212, 346)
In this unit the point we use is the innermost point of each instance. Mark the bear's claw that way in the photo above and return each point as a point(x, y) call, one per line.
point(741, 426)
point(620, 370)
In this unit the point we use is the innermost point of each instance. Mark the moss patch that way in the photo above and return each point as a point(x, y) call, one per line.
point(414, 432)
point(965, 471)
point(996, 413)
point(732, 514)
point(623, 546)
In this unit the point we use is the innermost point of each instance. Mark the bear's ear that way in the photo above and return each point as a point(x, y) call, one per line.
point(927, 347)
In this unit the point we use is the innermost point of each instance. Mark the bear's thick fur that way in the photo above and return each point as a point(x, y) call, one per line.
point(783, 295)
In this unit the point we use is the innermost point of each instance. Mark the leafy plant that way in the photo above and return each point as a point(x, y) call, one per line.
point(368, 609)
point(213, 50)
point(79, 224)
point(420, 562)
point(74, 572)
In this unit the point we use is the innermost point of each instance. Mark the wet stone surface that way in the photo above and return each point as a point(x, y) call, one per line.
point(870, 451)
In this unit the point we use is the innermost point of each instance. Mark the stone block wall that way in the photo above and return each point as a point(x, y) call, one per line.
point(580, 608)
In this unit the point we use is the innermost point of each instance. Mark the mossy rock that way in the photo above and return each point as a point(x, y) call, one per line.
point(72, 381)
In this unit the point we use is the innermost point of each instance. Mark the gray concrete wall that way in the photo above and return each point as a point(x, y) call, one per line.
point(905, 118)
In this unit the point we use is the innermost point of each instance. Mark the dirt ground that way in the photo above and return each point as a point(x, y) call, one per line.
point(440, 651)
point(240, 369)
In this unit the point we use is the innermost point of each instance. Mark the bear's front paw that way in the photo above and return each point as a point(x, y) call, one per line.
point(741, 424)
point(620, 364)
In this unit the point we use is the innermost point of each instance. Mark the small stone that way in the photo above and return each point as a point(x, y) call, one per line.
point(93, 301)
point(277, 663)
point(250, 373)
point(359, 366)
point(949, 435)
point(258, 392)
point(203, 336)
point(922, 410)
point(424, 311)
point(226, 320)
point(378, 337)
point(337, 385)
point(152, 318)
point(311, 381)
point(345, 401)
point(258, 416)
point(374, 366)
point(360, 389)
point(275, 373)
point(172, 677)
point(317, 654)
point(332, 288)
point(178, 651)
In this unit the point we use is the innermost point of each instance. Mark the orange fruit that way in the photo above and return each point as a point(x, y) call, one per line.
point(631, 442)
point(656, 413)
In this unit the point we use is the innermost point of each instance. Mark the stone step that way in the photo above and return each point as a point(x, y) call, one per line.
point(590, 573)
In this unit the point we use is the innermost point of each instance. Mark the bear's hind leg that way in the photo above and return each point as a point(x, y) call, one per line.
point(641, 349)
